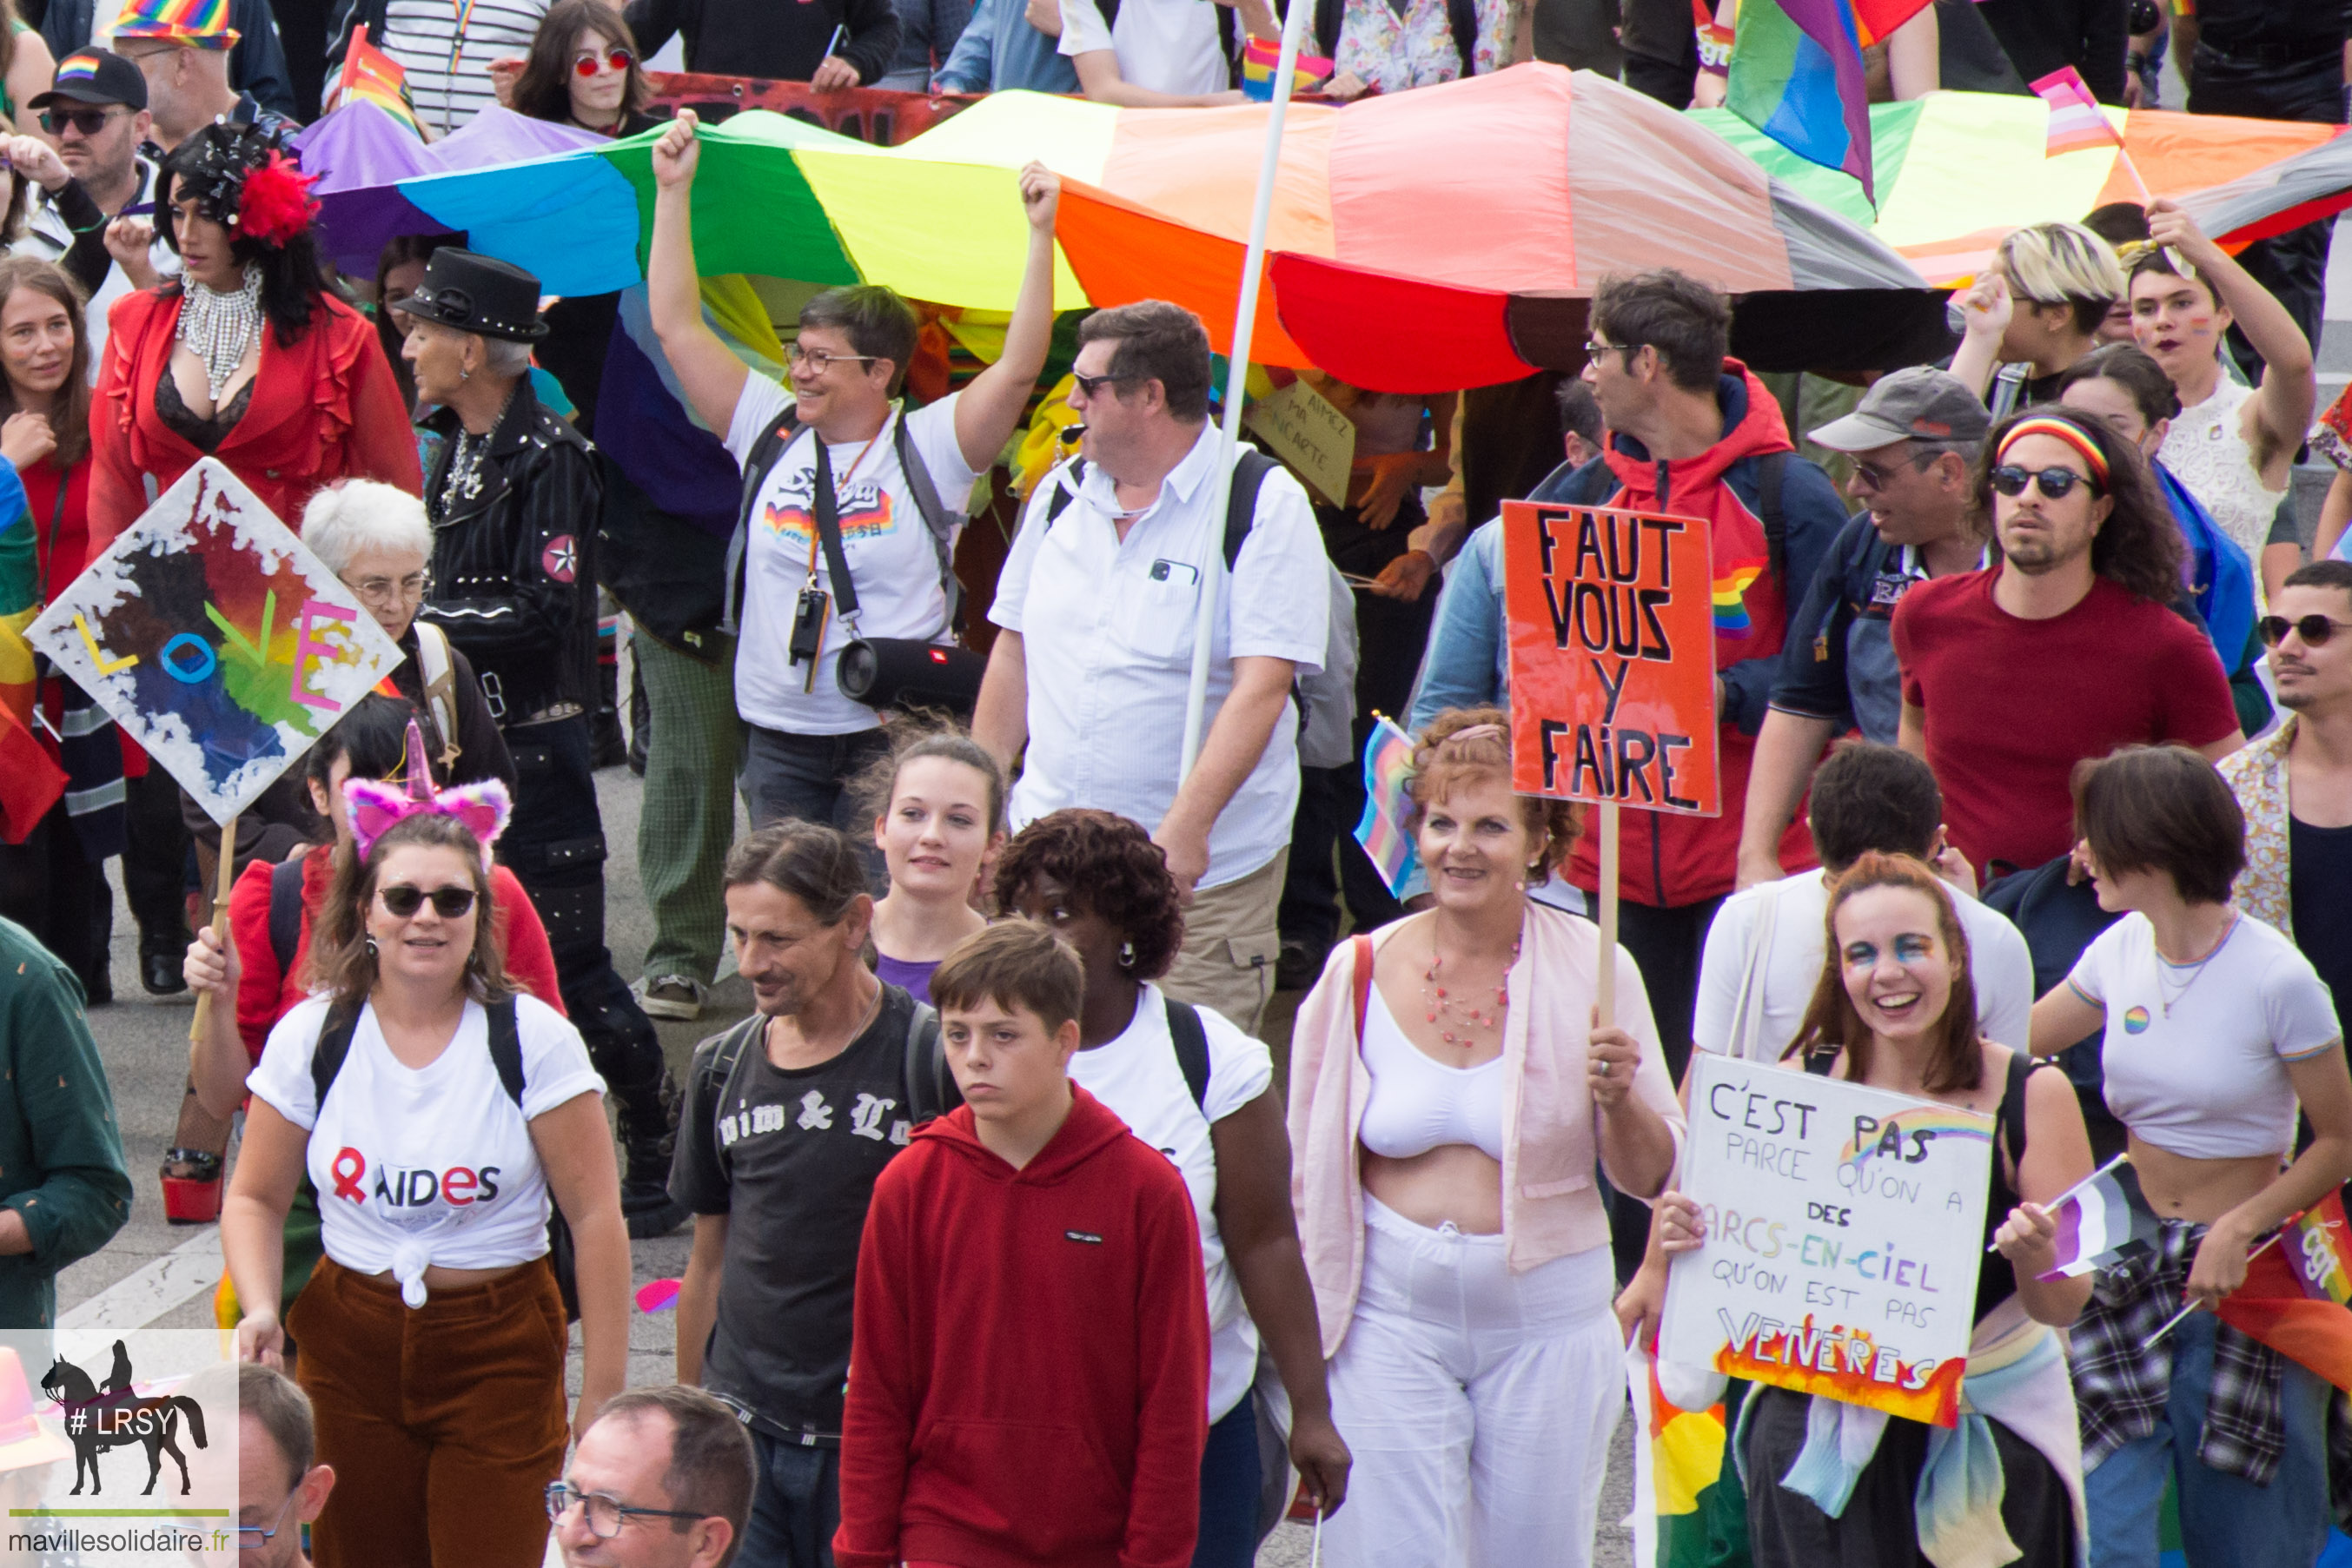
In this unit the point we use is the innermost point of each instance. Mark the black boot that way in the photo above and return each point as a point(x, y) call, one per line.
point(645, 1202)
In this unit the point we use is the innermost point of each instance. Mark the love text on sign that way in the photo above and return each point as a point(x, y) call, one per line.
point(1845, 1228)
point(1612, 656)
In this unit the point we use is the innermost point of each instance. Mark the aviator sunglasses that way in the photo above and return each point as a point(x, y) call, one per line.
point(2056, 484)
point(404, 901)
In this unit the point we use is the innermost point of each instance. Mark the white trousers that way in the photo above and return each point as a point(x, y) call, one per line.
point(1478, 1404)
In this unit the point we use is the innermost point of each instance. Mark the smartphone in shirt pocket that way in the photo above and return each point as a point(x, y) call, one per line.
point(1157, 616)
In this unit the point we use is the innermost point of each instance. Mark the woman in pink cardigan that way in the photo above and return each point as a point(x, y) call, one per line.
point(1450, 1091)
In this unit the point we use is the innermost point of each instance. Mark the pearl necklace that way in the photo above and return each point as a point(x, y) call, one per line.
point(218, 328)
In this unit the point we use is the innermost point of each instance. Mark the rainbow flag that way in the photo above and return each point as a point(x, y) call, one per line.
point(1796, 75)
point(2076, 120)
point(1730, 600)
point(1259, 61)
point(1687, 1505)
point(2316, 1250)
point(372, 76)
point(30, 780)
point(1388, 842)
point(2282, 1306)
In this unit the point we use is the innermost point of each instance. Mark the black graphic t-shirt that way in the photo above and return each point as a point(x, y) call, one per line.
point(791, 1158)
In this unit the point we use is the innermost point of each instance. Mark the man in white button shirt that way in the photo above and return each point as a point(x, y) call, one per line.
point(1092, 669)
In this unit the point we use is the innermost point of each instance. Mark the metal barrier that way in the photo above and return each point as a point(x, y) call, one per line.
point(868, 114)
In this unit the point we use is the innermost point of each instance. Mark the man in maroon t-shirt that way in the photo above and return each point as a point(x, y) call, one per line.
point(2063, 650)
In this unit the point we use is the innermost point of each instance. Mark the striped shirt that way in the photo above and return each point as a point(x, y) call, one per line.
point(447, 48)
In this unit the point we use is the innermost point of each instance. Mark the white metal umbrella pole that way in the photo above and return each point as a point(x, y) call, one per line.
point(1212, 579)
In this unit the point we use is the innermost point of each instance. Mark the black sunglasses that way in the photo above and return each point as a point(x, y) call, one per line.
point(2315, 629)
point(88, 122)
point(1090, 387)
point(2057, 483)
point(404, 901)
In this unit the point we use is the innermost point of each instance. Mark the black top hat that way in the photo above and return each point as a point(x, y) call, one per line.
point(477, 294)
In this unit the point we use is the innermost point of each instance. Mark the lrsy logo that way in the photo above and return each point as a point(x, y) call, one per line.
point(109, 1416)
point(398, 1187)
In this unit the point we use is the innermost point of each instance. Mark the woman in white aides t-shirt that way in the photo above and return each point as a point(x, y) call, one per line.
point(2216, 1030)
point(1100, 881)
point(432, 1334)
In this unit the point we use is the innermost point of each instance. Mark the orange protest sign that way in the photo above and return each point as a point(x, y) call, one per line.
point(1612, 656)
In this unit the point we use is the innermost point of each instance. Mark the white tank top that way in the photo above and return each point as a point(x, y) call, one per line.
point(2206, 450)
point(1419, 1104)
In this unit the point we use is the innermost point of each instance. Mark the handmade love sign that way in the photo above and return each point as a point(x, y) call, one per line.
point(217, 641)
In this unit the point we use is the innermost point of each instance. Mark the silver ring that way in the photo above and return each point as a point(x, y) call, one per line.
point(1604, 1070)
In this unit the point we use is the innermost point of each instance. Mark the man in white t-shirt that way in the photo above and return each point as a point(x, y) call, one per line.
point(1152, 54)
point(1764, 952)
point(807, 740)
point(1099, 605)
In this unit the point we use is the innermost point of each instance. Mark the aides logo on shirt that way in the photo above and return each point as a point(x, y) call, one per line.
point(401, 1192)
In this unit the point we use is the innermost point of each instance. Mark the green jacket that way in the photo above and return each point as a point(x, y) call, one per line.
point(60, 1153)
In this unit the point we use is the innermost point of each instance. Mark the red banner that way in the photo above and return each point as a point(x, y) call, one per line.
point(869, 114)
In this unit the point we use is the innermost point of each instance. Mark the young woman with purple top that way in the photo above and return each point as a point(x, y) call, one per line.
point(939, 820)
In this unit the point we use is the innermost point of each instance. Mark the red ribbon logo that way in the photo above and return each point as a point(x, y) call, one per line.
point(349, 1167)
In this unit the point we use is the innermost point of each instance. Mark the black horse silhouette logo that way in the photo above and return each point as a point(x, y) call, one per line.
point(101, 1417)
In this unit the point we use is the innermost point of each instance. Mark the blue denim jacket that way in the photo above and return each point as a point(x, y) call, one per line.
point(999, 50)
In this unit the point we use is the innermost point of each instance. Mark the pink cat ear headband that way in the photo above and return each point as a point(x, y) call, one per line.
point(374, 807)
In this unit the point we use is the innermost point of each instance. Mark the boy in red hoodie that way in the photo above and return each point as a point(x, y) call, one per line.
point(1029, 1355)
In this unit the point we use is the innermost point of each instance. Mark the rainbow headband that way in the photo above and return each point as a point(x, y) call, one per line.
point(483, 808)
point(2059, 430)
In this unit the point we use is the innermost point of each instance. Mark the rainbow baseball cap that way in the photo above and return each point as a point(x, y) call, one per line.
point(198, 24)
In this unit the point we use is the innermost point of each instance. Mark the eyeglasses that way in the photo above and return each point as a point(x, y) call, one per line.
point(605, 1515)
point(2315, 629)
point(585, 62)
point(253, 1538)
point(382, 592)
point(88, 122)
point(1594, 348)
point(818, 359)
point(404, 901)
point(1090, 387)
point(1879, 478)
point(2057, 483)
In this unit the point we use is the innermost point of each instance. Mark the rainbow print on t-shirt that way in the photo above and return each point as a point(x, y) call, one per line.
point(2136, 1020)
point(1730, 603)
point(788, 519)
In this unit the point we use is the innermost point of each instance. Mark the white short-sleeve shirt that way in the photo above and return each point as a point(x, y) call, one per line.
point(2195, 1055)
point(1167, 46)
point(888, 546)
point(1138, 1077)
point(2000, 963)
point(1107, 628)
point(431, 1165)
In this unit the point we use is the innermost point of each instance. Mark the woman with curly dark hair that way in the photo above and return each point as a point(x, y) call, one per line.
point(245, 357)
point(1193, 1086)
point(1451, 1087)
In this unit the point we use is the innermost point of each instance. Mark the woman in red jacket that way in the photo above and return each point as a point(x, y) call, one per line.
point(245, 357)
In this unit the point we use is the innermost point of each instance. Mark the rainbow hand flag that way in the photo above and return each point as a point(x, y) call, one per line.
point(2076, 120)
point(1259, 61)
point(372, 76)
point(1388, 842)
point(1797, 77)
point(1729, 597)
point(1685, 1494)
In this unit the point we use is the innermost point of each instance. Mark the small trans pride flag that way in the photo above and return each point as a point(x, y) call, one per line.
point(1388, 844)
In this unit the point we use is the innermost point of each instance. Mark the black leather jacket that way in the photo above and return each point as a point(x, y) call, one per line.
point(512, 582)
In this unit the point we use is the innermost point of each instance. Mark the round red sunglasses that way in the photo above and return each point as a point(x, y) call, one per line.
point(620, 59)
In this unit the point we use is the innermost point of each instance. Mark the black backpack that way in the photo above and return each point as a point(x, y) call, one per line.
point(931, 1090)
point(506, 1054)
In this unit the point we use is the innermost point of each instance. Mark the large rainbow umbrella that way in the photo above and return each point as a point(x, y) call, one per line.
point(1442, 238)
point(1957, 171)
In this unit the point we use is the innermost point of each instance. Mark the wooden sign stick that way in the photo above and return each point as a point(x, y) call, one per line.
point(202, 1022)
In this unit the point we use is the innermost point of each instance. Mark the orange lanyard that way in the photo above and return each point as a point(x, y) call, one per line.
point(845, 478)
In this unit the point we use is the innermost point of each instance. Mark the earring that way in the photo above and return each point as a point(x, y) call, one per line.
point(1126, 955)
point(371, 945)
point(467, 374)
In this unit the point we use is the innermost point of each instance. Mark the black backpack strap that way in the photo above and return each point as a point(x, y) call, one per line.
point(286, 910)
point(726, 1062)
point(1772, 471)
point(1240, 503)
point(827, 509)
point(1065, 481)
point(506, 1048)
point(327, 1055)
point(1461, 21)
point(1192, 1038)
point(935, 516)
point(1229, 46)
point(931, 1088)
point(1329, 15)
point(765, 452)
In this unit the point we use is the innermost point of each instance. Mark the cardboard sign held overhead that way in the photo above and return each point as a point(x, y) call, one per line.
point(1844, 1231)
point(1612, 656)
point(215, 639)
